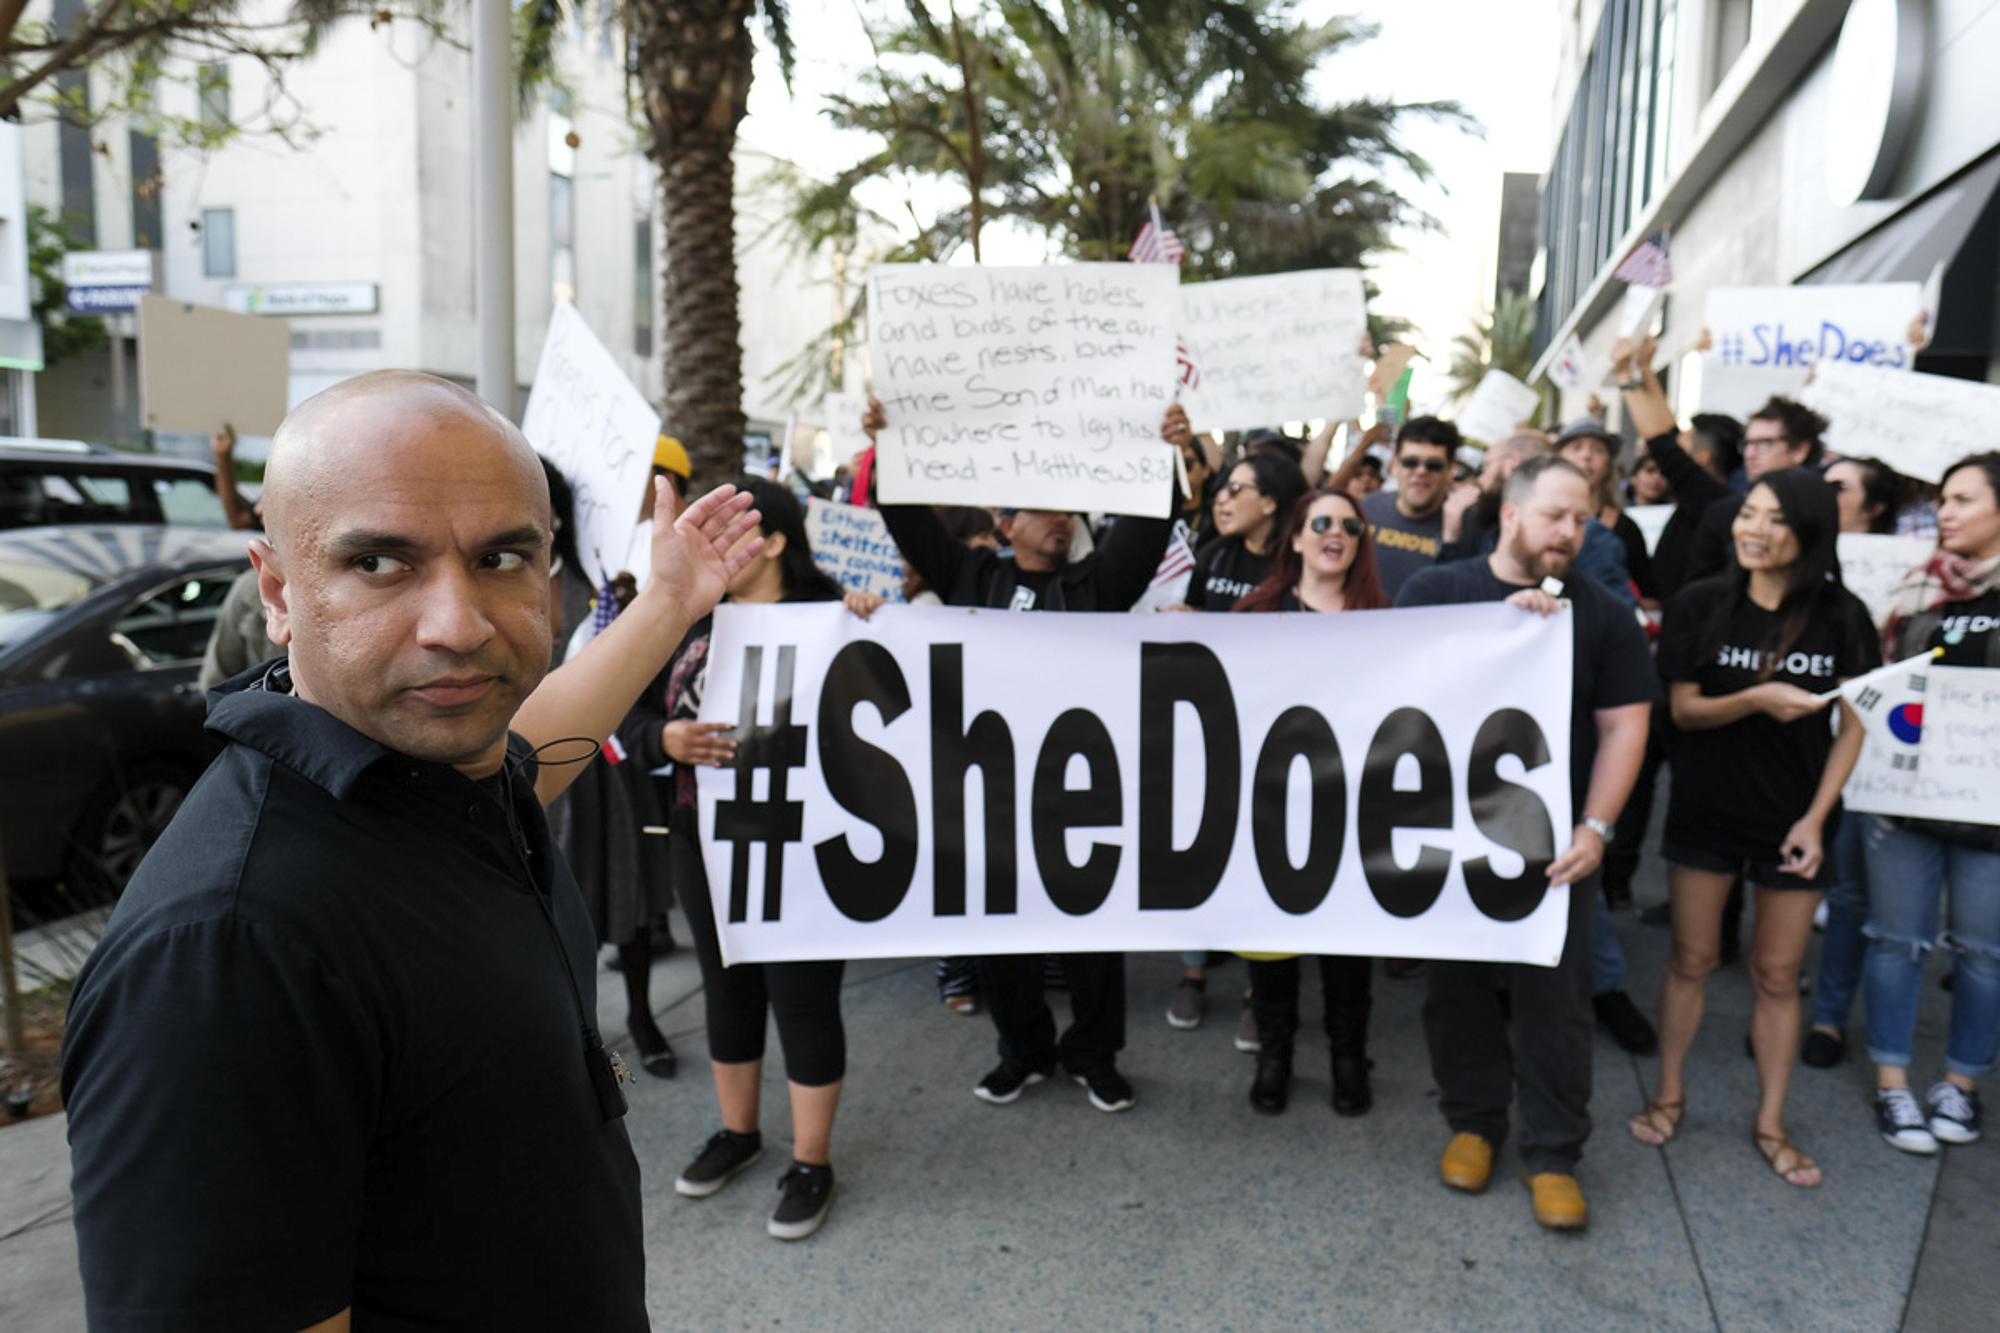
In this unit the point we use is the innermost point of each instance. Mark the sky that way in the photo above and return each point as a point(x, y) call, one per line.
point(1497, 58)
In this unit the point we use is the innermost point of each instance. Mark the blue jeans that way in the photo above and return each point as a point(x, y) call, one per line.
point(1907, 875)
point(1843, 947)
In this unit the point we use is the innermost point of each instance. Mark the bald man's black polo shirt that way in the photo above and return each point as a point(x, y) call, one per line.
point(331, 1052)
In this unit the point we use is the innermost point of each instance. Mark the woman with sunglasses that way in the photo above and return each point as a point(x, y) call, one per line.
point(1757, 779)
point(1324, 561)
point(1249, 507)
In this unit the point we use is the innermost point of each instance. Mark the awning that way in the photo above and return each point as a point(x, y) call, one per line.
point(1909, 245)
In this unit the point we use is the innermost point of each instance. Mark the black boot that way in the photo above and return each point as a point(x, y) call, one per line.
point(1351, 1093)
point(1273, 1085)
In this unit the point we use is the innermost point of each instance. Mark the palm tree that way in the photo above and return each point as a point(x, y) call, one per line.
point(1504, 340)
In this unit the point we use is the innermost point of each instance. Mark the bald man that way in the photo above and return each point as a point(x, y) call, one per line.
point(335, 1063)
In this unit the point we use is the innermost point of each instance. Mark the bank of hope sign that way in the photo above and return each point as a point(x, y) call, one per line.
point(944, 781)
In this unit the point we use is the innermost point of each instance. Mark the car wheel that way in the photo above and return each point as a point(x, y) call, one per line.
point(121, 825)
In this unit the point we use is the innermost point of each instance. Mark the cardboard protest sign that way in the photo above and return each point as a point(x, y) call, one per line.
point(1497, 408)
point(200, 367)
point(1276, 348)
point(947, 781)
point(1871, 566)
point(1917, 424)
point(585, 417)
point(1766, 340)
point(852, 544)
point(1932, 747)
point(1041, 388)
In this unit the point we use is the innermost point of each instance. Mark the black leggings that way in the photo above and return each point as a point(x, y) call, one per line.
point(803, 997)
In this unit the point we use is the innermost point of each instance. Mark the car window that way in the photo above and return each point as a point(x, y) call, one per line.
point(189, 502)
point(173, 623)
point(31, 593)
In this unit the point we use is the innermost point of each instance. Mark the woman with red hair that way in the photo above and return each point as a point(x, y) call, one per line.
point(1324, 560)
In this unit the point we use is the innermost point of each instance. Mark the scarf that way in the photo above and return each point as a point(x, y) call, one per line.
point(1944, 578)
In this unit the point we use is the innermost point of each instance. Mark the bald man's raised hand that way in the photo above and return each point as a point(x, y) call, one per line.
point(706, 545)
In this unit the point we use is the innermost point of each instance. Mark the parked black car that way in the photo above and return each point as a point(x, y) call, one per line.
point(101, 633)
point(47, 482)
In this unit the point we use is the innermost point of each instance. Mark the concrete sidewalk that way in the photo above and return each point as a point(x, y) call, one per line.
point(1191, 1211)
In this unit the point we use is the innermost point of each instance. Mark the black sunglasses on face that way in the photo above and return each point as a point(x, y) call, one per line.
point(1323, 523)
point(1238, 487)
point(1423, 464)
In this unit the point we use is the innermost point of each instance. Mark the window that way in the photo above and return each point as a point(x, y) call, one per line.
point(173, 624)
point(211, 87)
point(189, 502)
point(1728, 33)
point(218, 242)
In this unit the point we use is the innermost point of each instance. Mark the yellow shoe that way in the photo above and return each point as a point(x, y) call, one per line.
point(1559, 1202)
point(1467, 1163)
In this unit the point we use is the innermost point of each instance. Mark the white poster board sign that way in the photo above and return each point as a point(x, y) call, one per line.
point(1932, 747)
point(585, 417)
point(1038, 388)
point(1651, 521)
point(1873, 565)
point(852, 544)
point(1766, 340)
point(1917, 424)
point(1497, 408)
point(940, 781)
point(1275, 348)
point(843, 426)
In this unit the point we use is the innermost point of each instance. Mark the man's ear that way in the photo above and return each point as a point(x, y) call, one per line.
point(274, 591)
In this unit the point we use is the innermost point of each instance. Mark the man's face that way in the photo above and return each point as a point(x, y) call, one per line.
point(1766, 448)
point(414, 594)
point(1043, 532)
point(1423, 474)
point(1544, 532)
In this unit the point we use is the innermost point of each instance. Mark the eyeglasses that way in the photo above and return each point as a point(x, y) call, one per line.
point(1423, 464)
point(1765, 441)
point(1238, 487)
point(1323, 524)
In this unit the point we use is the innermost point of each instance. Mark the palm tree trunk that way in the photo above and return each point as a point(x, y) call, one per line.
point(694, 68)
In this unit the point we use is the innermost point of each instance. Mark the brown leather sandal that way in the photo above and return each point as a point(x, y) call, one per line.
point(1786, 1158)
point(1661, 1118)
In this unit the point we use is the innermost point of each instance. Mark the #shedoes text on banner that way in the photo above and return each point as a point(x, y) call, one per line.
point(941, 781)
point(1036, 388)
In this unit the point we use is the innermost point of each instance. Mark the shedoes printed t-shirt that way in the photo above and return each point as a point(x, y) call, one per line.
point(1738, 789)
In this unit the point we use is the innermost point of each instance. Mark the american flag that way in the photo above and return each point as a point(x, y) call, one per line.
point(1178, 560)
point(1155, 244)
point(1647, 265)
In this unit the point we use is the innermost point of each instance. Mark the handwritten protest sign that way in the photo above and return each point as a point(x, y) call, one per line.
point(1918, 424)
point(1497, 408)
point(1041, 388)
point(586, 418)
point(1873, 565)
point(1932, 747)
point(1766, 340)
point(1276, 348)
point(852, 544)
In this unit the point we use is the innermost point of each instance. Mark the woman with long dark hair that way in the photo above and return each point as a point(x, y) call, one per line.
point(1951, 603)
point(1249, 509)
point(803, 997)
point(1323, 560)
point(1757, 779)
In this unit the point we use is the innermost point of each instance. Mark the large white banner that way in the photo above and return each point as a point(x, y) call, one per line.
point(1917, 424)
point(1766, 340)
point(1275, 348)
point(1039, 388)
point(585, 417)
point(942, 781)
point(852, 544)
point(1932, 747)
point(1871, 565)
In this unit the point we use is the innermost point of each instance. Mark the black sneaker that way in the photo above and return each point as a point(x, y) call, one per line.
point(808, 1199)
point(1628, 1027)
point(1006, 1080)
point(1901, 1121)
point(1823, 1050)
point(1954, 1112)
point(1107, 1087)
point(724, 1157)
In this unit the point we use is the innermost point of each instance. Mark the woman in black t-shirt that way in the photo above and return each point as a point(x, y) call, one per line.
point(1260, 493)
point(1757, 779)
point(1324, 560)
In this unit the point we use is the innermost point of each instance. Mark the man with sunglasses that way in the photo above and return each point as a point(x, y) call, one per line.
point(1409, 521)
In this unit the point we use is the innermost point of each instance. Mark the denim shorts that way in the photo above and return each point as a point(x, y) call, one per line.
point(1758, 870)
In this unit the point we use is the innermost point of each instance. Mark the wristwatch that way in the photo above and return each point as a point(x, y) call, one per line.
point(1603, 830)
